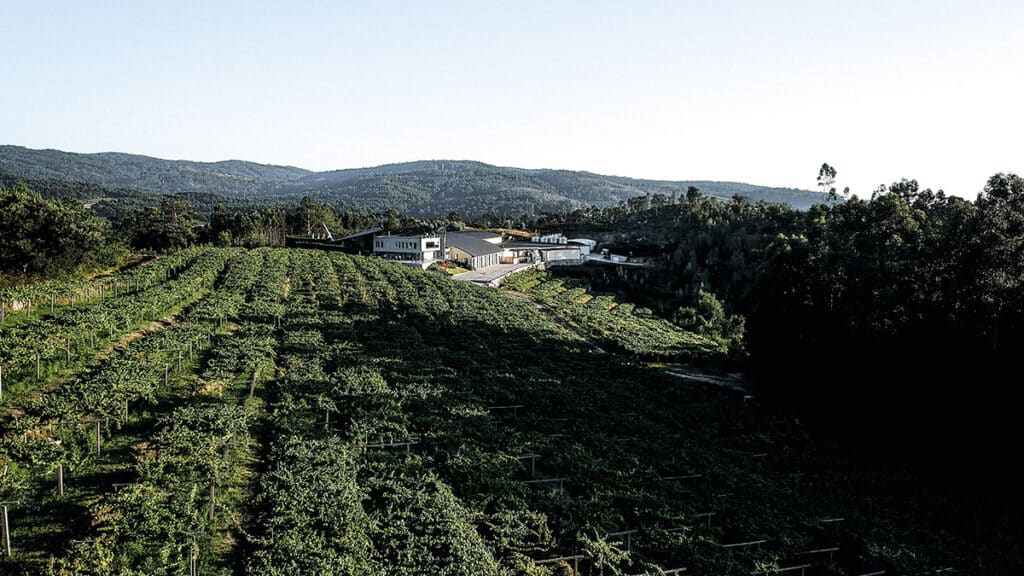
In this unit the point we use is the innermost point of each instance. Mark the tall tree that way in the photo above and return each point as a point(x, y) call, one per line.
point(169, 227)
point(1001, 274)
point(827, 181)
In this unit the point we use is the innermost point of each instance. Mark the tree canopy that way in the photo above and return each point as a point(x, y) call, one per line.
point(51, 238)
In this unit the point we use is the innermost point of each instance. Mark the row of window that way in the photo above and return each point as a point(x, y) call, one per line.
point(414, 245)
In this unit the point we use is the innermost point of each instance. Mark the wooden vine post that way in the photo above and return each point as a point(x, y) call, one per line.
point(193, 558)
point(252, 385)
point(213, 496)
point(96, 421)
point(7, 527)
point(60, 479)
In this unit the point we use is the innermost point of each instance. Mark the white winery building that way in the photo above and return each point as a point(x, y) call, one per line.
point(419, 250)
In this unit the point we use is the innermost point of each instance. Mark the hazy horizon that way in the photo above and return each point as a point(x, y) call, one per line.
point(410, 161)
point(754, 93)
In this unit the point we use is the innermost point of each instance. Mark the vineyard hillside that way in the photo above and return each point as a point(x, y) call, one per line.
point(223, 411)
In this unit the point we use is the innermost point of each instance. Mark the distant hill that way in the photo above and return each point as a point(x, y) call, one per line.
point(115, 169)
point(421, 188)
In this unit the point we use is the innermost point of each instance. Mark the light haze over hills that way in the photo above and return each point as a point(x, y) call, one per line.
point(431, 187)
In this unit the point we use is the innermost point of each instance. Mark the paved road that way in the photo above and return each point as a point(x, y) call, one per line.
point(491, 273)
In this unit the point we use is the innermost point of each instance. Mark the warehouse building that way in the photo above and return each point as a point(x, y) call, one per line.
point(474, 248)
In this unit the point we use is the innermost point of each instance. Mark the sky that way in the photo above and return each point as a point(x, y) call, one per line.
point(750, 91)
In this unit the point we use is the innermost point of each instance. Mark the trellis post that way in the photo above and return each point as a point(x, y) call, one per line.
point(212, 498)
point(7, 527)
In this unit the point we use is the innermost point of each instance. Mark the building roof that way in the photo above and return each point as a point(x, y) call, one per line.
point(471, 244)
point(360, 234)
point(406, 234)
point(542, 246)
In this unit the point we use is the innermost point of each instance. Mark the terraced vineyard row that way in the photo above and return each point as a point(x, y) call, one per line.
point(38, 350)
point(620, 326)
point(342, 415)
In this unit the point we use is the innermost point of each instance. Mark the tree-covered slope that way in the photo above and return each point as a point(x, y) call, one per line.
point(155, 174)
point(422, 188)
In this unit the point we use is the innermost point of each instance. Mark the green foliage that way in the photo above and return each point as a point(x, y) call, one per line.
point(314, 479)
point(345, 412)
point(51, 238)
point(142, 172)
point(708, 318)
point(904, 265)
point(172, 226)
point(607, 557)
point(623, 326)
point(256, 228)
point(422, 189)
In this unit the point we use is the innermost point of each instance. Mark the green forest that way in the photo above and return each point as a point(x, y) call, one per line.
point(424, 189)
point(886, 306)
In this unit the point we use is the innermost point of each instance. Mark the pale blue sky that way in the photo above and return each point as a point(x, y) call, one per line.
point(761, 92)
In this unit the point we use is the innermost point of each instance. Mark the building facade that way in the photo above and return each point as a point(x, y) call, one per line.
point(419, 250)
point(475, 249)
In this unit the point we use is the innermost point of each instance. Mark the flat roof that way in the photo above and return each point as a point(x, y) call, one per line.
point(537, 246)
point(396, 235)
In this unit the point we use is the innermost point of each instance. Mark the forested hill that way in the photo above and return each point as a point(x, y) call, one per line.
point(423, 188)
point(115, 169)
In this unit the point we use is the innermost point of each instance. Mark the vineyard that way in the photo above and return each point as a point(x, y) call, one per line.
point(275, 411)
point(617, 325)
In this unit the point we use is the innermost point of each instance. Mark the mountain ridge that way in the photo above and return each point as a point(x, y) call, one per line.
point(420, 187)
